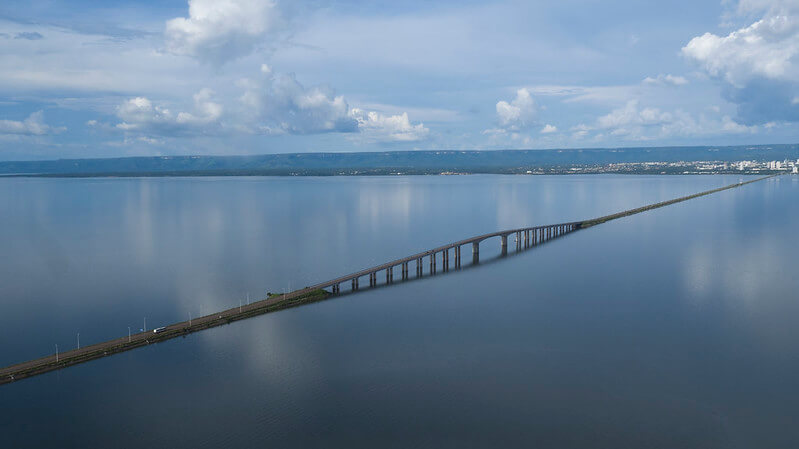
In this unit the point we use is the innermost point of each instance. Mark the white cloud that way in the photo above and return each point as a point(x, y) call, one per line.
point(32, 126)
point(768, 49)
point(280, 104)
point(218, 31)
point(758, 64)
point(660, 80)
point(548, 129)
point(142, 116)
point(519, 114)
point(388, 128)
point(632, 122)
point(631, 114)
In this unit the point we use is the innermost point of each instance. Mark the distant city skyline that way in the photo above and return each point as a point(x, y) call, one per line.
point(255, 77)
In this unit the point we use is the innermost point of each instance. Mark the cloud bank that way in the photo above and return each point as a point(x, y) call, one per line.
point(757, 64)
point(32, 126)
point(139, 115)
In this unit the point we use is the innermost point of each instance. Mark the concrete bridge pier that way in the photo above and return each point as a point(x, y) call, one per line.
point(404, 271)
point(419, 267)
point(372, 279)
point(354, 284)
point(389, 275)
point(457, 257)
point(432, 263)
point(504, 241)
point(336, 288)
point(518, 240)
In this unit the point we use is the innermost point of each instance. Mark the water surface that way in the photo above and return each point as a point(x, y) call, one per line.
point(672, 328)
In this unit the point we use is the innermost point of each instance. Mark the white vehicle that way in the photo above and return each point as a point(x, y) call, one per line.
point(158, 330)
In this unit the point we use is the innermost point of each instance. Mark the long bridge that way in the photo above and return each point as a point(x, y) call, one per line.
point(525, 238)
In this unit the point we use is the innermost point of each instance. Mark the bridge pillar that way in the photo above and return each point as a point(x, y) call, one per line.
point(336, 288)
point(503, 241)
point(404, 271)
point(419, 267)
point(432, 263)
point(457, 256)
point(518, 240)
point(354, 284)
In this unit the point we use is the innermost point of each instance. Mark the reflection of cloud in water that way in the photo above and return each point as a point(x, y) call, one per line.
point(386, 201)
point(744, 276)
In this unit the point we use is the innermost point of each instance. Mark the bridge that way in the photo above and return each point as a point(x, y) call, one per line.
point(524, 238)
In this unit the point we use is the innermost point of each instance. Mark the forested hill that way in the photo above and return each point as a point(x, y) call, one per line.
point(409, 162)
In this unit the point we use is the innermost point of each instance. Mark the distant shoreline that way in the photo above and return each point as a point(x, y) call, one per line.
point(758, 159)
point(549, 172)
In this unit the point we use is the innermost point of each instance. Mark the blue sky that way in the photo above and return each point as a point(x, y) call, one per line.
point(121, 78)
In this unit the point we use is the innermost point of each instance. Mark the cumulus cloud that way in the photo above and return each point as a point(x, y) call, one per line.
point(32, 126)
point(757, 64)
point(140, 115)
point(280, 104)
point(519, 114)
point(388, 128)
point(275, 103)
point(218, 31)
point(549, 129)
point(665, 80)
point(633, 122)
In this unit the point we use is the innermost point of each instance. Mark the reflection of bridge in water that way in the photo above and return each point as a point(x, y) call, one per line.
point(524, 238)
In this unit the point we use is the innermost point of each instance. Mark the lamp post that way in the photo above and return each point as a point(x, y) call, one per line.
point(78, 340)
point(56, 353)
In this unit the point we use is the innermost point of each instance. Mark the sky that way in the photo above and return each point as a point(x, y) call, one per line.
point(121, 78)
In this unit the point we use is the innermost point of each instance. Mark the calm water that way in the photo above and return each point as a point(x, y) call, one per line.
point(672, 328)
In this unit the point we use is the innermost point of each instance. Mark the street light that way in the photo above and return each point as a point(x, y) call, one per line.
point(128, 334)
point(78, 340)
point(56, 353)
